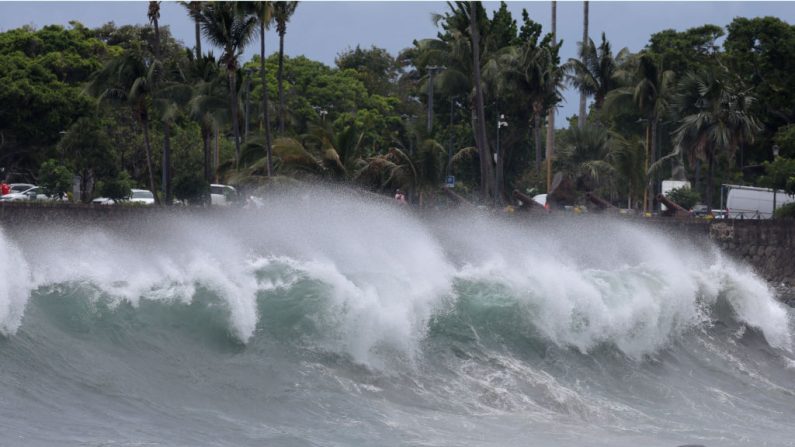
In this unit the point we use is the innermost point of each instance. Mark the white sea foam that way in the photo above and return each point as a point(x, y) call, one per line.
point(15, 285)
point(389, 272)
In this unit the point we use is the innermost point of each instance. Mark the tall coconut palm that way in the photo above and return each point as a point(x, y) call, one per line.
point(225, 25)
point(129, 79)
point(585, 40)
point(594, 73)
point(264, 18)
point(551, 110)
point(193, 9)
point(282, 11)
point(486, 171)
point(154, 16)
point(715, 118)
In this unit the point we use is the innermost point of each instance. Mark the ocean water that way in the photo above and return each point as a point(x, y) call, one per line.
point(328, 320)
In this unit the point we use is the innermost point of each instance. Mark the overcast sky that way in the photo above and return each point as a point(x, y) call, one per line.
point(320, 30)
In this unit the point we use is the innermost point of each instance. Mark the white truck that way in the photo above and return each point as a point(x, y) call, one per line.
point(749, 202)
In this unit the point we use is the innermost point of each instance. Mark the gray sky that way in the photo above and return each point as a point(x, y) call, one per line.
point(320, 30)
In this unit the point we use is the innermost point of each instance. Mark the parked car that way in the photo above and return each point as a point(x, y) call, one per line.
point(222, 195)
point(31, 193)
point(700, 210)
point(20, 187)
point(142, 196)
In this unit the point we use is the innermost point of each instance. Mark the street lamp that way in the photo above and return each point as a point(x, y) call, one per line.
point(498, 159)
point(776, 150)
point(321, 113)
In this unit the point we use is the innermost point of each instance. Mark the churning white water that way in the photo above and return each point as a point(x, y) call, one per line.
point(325, 310)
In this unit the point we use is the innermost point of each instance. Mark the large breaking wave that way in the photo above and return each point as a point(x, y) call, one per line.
point(564, 326)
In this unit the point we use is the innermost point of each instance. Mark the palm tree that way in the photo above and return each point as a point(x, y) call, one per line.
point(715, 118)
point(282, 11)
point(130, 79)
point(531, 70)
point(626, 155)
point(594, 74)
point(486, 174)
point(193, 10)
point(154, 16)
point(552, 86)
point(264, 19)
point(647, 88)
point(227, 27)
point(209, 104)
point(585, 40)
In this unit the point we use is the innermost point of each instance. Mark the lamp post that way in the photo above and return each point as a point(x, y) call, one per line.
point(775, 185)
point(498, 160)
point(452, 134)
point(431, 70)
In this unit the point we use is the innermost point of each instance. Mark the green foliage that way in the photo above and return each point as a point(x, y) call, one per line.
point(780, 174)
point(192, 188)
point(684, 51)
point(117, 188)
point(785, 139)
point(761, 52)
point(54, 178)
point(375, 68)
point(684, 197)
point(785, 211)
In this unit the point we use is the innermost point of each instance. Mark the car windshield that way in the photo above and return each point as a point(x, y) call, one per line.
point(218, 190)
point(20, 188)
point(142, 195)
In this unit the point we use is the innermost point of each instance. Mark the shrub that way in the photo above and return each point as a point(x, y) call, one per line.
point(118, 188)
point(55, 179)
point(785, 212)
point(191, 188)
point(684, 197)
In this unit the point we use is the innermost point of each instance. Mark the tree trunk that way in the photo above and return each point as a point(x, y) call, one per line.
point(265, 112)
point(281, 87)
point(235, 120)
point(167, 189)
point(646, 201)
point(655, 149)
point(485, 154)
point(198, 40)
point(710, 174)
point(537, 138)
point(585, 41)
point(551, 111)
point(148, 149)
point(207, 134)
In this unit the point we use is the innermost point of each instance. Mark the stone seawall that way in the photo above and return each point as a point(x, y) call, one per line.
point(767, 245)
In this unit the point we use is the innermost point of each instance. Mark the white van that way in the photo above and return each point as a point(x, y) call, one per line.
point(222, 195)
point(748, 202)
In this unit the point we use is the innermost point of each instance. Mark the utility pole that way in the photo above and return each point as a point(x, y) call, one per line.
point(551, 111)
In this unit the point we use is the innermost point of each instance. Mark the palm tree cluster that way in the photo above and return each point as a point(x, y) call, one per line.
point(488, 85)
